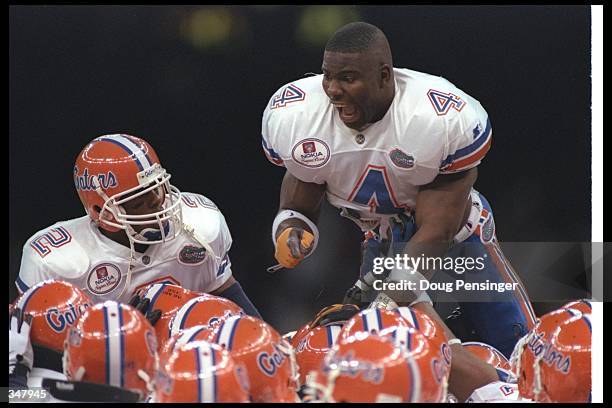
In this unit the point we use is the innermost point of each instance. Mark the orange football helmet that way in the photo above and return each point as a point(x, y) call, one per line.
point(204, 310)
point(168, 299)
point(199, 371)
point(583, 305)
point(112, 344)
point(312, 348)
point(433, 362)
point(113, 169)
point(194, 333)
point(269, 360)
point(55, 306)
point(562, 372)
point(366, 368)
point(538, 345)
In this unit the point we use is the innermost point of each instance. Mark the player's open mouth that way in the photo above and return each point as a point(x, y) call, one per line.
point(348, 113)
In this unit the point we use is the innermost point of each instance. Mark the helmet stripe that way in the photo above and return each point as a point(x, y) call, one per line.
point(23, 302)
point(408, 314)
point(372, 320)
point(587, 320)
point(114, 349)
point(142, 160)
point(198, 370)
point(122, 344)
point(227, 331)
point(178, 323)
point(332, 333)
point(194, 331)
point(205, 362)
point(214, 376)
point(106, 346)
point(586, 302)
point(153, 293)
point(379, 320)
point(414, 390)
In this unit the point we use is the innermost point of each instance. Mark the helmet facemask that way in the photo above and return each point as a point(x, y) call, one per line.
point(169, 219)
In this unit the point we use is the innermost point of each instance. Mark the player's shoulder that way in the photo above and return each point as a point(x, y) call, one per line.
point(434, 96)
point(59, 238)
point(295, 104)
point(202, 214)
point(297, 96)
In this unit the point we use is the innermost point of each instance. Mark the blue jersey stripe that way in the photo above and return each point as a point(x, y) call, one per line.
point(270, 151)
point(465, 151)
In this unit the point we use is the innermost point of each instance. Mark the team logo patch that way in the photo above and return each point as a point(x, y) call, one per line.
point(103, 279)
point(487, 230)
point(311, 153)
point(506, 390)
point(192, 255)
point(401, 159)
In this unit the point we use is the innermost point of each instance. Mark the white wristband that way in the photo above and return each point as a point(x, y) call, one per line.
point(287, 214)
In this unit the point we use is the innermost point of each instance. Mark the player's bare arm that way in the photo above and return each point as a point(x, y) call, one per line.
point(442, 209)
point(300, 196)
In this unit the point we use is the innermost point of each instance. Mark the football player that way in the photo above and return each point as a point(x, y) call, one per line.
point(139, 229)
point(397, 151)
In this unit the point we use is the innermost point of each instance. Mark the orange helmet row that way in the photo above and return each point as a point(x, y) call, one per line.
point(377, 355)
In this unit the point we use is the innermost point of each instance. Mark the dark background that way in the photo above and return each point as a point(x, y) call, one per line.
point(194, 81)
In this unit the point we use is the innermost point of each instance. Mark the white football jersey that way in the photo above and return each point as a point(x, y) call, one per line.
point(76, 251)
point(431, 128)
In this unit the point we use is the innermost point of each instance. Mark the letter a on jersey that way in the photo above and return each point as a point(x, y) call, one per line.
point(374, 190)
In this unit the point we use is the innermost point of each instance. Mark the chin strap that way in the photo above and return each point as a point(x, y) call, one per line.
point(195, 236)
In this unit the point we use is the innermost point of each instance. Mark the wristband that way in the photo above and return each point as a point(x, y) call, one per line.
point(287, 214)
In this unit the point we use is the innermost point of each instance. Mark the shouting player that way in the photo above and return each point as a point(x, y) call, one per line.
point(396, 150)
point(139, 229)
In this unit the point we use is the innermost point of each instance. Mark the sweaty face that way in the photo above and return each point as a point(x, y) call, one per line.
point(353, 83)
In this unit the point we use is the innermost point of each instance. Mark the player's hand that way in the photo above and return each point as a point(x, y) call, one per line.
point(292, 245)
point(142, 305)
point(20, 346)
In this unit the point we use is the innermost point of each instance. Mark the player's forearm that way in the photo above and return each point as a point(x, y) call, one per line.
point(305, 198)
point(429, 243)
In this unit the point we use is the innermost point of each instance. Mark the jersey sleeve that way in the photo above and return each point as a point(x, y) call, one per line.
point(469, 139)
point(269, 135)
point(223, 270)
point(32, 270)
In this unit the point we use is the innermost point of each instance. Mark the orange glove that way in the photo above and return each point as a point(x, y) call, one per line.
point(292, 245)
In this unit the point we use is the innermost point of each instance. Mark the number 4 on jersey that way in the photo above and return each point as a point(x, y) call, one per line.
point(288, 94)
point(374, 190)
